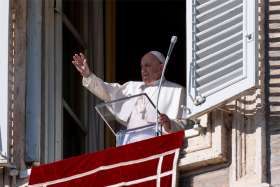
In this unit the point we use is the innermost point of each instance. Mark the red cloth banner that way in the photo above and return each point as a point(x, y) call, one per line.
point(152, 162)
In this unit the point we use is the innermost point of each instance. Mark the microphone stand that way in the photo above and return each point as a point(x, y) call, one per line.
point(173, 41)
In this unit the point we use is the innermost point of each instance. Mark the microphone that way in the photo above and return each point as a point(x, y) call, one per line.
point(171, 46)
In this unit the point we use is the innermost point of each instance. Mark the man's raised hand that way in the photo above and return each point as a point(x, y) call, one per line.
point(80, 62)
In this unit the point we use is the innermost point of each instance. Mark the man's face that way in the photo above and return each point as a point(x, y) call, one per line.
point(151, 68)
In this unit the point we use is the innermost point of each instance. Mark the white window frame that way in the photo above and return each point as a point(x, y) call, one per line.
point(249, 79)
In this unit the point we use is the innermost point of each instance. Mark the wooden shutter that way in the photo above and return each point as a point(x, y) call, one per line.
point(4, 33)
point(221, 51)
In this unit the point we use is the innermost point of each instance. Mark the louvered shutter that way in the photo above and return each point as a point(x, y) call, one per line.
point(4, 22)
point(221, 51)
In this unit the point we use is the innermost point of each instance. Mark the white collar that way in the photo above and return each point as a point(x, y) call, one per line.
point(155, 83)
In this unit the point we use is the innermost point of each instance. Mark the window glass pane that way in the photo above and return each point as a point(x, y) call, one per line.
point(74, 11)
point(72, 86)
point(73, 137)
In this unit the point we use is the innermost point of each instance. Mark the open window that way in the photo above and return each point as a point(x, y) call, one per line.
point(221, 51)
point(4, 50)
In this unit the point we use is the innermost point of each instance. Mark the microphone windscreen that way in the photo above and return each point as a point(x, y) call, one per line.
point(174, 39)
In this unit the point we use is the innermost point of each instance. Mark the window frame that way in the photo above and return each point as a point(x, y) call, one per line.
point(249, 79)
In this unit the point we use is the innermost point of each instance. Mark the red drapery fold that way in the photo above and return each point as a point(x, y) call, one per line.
point(151, 162)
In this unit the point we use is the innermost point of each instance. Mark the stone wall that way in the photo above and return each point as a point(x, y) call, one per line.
point(274, 92)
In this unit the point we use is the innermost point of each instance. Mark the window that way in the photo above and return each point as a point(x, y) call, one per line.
point(221, 51)
point(65, 106)
point(73, 98)
point(221, 64)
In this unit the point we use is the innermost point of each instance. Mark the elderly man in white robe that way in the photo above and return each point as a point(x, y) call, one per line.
point(171, 98)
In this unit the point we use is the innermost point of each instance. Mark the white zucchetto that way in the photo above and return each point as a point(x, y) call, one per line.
point(159, 56)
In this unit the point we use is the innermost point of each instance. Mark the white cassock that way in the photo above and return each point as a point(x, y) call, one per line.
point(172, 97)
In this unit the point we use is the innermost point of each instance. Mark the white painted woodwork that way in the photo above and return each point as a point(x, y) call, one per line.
point(221, 51)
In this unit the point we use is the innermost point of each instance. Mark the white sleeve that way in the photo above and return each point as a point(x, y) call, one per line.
point(103, 90)
point(176, 123)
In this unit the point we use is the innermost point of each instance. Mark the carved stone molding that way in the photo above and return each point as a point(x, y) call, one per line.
point(209, 148)
point(248, 166)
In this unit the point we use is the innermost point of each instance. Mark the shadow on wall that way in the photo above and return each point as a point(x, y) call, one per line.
point(274, 91)
point(274, 66)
